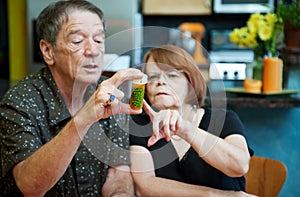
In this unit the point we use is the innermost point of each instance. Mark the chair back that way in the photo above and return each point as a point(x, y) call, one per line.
point(265, 177)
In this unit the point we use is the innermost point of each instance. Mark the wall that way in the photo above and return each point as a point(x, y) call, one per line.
point(214, 21)
point(4, 64)
point(274, 133)
point(3, 41)
point(17, 40)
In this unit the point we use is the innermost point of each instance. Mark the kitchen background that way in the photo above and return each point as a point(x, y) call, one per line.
point(271, 132)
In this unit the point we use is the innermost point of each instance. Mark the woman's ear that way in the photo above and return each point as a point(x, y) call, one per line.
point(47, 52)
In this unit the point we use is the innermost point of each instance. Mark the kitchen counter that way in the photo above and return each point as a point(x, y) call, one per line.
point(239, 102)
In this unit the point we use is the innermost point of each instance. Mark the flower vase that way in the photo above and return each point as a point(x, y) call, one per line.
point(272, 75)
point(258, 68)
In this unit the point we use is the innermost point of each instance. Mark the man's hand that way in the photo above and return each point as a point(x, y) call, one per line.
point(101, 105)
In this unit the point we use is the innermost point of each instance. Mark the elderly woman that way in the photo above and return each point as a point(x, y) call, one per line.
point(179, 147)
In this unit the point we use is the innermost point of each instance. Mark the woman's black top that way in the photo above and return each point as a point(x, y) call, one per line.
point(191, 168)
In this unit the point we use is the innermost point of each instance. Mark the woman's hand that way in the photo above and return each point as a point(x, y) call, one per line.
point(165, 124)
point(99, 107)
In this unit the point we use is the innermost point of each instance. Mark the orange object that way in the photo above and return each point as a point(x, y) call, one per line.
point(198, 31)
point(272, 75)
point(137, 95)
point(136, 99)
point(252, 85)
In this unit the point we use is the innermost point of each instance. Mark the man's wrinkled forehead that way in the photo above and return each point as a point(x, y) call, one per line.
point(66, 16)
point(70, 23)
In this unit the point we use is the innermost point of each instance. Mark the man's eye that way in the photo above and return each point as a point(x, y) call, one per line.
point(99, 41)
point(77, 42)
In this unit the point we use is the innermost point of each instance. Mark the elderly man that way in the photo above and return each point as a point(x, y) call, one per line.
point(58, 135)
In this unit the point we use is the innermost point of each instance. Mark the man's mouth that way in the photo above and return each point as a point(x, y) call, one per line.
point(90, 66)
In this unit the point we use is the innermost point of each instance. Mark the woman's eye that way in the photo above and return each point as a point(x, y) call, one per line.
point(153, 77)
point(173, 75)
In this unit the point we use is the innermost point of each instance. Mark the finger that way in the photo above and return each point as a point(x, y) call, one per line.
point(104, 91)
point(117, 107)
point(178, 124)
point(148, 110)
point(173, 121)
point(152, 140)
point(126, 74)
point(124, 108)
point(119, 94)
point(108, 88)
point(166, 125)
point(110, 100)
point(155, 126)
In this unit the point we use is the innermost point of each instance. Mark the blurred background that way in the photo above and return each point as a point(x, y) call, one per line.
point(271, 123)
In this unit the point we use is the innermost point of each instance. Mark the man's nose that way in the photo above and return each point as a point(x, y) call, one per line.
point(91, 48)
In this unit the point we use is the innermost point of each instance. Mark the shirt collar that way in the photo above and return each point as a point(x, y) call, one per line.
point(57, 108)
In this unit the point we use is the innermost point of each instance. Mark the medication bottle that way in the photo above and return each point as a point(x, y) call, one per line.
point(137, 95)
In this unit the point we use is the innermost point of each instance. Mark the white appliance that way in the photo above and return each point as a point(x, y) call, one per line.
point(242, 6)
point(123, 20)
point(227, 71)
point(227, 61)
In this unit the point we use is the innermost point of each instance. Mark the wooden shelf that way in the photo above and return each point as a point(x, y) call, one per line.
point(177, 7)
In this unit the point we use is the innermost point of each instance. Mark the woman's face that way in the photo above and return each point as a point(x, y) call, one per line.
point(166, 89)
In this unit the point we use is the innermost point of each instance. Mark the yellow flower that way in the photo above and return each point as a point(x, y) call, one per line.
point(265, 33)
point(271, 18)
point(256, 17)
point(259, 33)
point(253, 26)
point(252, 40)
point(235, 36)
point(244, 30)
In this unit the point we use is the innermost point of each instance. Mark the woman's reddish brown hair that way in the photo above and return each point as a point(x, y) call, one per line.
point(174, 57)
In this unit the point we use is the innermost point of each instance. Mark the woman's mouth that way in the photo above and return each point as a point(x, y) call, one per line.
point(161, 93)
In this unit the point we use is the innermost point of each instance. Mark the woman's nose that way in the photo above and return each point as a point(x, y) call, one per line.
point(162, 79)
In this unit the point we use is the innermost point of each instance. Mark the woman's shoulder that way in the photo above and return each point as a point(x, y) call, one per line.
point(221, 122)
point(219, 112)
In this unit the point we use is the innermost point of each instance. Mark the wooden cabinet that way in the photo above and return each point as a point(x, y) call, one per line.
point(177, 7)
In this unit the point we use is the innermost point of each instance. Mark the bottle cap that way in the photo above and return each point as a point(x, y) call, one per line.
point(143, 80)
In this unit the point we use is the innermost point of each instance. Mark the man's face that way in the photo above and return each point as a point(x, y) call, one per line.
point(80, 48)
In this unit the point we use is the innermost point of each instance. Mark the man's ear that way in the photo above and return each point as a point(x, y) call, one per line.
point(47, 52)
